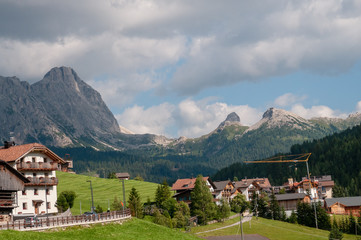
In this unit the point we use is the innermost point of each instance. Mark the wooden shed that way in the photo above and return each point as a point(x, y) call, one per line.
point(11, 181)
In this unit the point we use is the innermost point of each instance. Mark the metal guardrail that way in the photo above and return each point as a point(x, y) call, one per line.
point(52, 222)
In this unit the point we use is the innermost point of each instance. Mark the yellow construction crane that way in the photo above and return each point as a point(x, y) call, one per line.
point(286, 159)
point(303, 157)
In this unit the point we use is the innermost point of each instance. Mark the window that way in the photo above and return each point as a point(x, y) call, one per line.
point(45, 160)
point(25, 206)
point(46, 175)
point(47, 191)
point(34, 174)
point(48, 205)
point(33, 159)
point(36, 192)
point(23, 192)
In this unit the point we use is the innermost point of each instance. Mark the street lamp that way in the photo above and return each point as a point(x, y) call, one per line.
point(91, 190)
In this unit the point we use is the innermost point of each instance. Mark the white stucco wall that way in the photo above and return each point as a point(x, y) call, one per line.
point(30, 197)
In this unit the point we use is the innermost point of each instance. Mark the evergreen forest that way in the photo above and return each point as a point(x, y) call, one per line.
point(338, 155)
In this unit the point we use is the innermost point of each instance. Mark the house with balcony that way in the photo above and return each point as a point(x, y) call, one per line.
point(38, 164)
point(184, 187)
point(223, 190)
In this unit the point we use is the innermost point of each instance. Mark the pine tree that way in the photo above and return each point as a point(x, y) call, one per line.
point(162, 194)
point(135, 204)
point(202, 201)
point(274, 207)
point(182, 214)
point(223, 210)
point(116, 204)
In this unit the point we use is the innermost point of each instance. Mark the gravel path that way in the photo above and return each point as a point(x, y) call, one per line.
point(245, 219)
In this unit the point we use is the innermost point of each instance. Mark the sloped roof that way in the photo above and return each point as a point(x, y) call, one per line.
point(122, 175)
point(14, 171)
point(186, 183)
point(346, 201)
point(242, 184)
point(220, 185)
point(14, 153)
point(290, 196)
point(297, 184)
point(326, 183)
point(262, 182)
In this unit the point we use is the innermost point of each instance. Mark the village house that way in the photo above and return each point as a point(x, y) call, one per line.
point(305, 186)
point(325, 185)
point(289, 201)
point(223, 190)
point(184, 187)
point(250, 186)
point(38, 164)
point(11, 181)
point(122, 176)
point(246, 188)
point(344, 205)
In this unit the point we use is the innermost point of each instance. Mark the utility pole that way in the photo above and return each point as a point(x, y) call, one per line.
point(242, 237)
point(91, 190)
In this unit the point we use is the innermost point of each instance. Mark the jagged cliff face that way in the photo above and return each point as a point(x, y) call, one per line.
point(59, 110)
point(23, 117)
point(76, 107)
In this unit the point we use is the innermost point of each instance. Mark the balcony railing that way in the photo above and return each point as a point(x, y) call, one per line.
point(41, 181)
point(36, 166)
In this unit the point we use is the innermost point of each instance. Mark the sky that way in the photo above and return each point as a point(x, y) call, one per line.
point(178, 68)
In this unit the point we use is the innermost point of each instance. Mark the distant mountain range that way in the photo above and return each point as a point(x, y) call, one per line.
point(62, 111)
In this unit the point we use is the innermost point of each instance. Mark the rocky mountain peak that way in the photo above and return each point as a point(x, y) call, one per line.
point(355, 115)
point(61, 73)
point(274, 117)
point(232, 119)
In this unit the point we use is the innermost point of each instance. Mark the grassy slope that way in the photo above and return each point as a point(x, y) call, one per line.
point(103, 190)
point(134, 229)
point(274, 230)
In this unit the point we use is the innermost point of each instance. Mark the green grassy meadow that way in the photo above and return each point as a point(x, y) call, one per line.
point(103, 190)
point(134, 229)
point(274, 230)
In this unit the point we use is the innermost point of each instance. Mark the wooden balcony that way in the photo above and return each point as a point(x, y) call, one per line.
point(7, 199)
point(36, 166)
point(41, 181)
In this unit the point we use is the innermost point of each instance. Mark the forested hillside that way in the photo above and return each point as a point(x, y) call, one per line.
point(338, 155)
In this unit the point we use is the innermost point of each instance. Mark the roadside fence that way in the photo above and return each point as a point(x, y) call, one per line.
point(43, 223)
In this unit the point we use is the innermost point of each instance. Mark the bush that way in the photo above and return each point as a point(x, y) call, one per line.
point(335, 233)
point(99, 209)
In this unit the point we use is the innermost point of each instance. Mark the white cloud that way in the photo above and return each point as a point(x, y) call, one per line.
point(288, 99)
point(358, 107)
point(316, 111)
point(189, 118)
point(207, 44)
point(156, 119)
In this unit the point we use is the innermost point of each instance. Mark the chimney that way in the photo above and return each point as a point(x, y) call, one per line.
point(8, 144)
